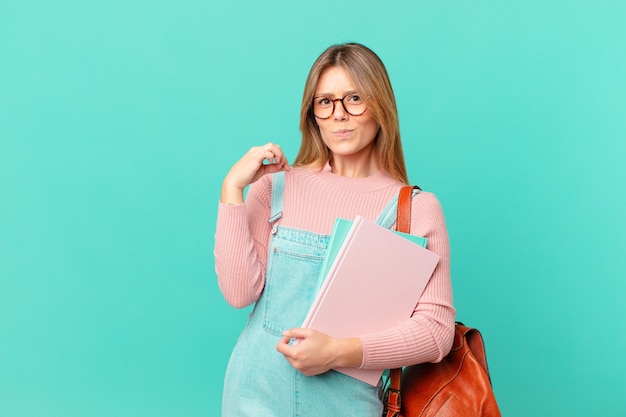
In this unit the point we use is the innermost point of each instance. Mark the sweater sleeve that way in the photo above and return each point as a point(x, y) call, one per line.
point(428, 335)
point(241, 241)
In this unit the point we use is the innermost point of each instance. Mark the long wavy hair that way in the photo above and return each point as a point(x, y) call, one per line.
point(370, 78)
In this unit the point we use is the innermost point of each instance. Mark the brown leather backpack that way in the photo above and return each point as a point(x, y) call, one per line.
point(458, 386)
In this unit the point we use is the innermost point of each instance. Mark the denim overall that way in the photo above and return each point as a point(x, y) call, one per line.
point(259, 381)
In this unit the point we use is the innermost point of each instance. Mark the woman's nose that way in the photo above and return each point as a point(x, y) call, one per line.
point(339, 112)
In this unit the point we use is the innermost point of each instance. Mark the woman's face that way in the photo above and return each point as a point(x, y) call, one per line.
point(344, 134)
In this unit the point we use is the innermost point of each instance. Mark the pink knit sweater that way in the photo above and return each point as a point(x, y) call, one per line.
point(312, 201)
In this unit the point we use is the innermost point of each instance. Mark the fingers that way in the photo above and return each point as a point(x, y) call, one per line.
point(261, 160)
point(284, 347)
point(298, 333)
point(270, 152)
point(310, 355)
point(258, 161)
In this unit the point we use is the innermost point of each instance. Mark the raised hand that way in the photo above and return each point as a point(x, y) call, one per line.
point(258, 161)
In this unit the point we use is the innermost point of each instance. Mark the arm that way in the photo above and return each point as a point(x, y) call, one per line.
point(241, 246)
point(428, 335)
point(242, 229)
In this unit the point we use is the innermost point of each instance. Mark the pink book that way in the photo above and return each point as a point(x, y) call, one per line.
point(373, 284)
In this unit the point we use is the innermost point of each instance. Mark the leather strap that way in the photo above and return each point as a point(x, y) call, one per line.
point(394, 403)
point(403, 224)
point(403, 219)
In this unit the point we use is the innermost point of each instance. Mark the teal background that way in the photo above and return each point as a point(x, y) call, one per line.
point(119, 119)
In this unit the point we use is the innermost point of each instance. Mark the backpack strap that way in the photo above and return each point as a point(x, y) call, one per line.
point(389, 215)
point(403, 224)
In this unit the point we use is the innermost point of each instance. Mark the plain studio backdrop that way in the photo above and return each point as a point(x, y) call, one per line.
point(119, 120)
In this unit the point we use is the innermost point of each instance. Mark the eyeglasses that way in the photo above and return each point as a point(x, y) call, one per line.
point(324, 107)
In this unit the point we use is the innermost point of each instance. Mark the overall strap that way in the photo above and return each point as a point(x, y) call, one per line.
point(278, 185)
point(389, 214)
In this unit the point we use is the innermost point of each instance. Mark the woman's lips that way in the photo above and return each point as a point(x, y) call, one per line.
point(342, 133)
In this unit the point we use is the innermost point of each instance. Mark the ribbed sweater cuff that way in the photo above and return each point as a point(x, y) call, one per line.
point(384, 351)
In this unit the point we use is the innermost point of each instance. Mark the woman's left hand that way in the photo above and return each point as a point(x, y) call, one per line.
point(316, 352)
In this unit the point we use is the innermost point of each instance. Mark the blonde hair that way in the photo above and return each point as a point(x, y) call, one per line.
point(370, 78)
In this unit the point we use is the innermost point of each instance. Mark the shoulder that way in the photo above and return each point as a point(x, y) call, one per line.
point(426, 205)
point(262, 188)
point(426, 198)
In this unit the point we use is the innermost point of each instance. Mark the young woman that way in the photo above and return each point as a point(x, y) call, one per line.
point(269, 248)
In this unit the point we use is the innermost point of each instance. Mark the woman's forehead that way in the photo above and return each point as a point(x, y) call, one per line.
point(334, 80)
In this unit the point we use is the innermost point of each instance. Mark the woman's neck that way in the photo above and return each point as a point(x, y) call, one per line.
point(353, 166)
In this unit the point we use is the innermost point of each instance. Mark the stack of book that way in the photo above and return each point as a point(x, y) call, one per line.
point(371, 280)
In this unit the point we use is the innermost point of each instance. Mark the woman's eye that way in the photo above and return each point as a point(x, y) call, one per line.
point(354, 98)
point(323, 101)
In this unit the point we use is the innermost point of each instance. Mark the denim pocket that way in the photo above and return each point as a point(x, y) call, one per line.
point(290, 286)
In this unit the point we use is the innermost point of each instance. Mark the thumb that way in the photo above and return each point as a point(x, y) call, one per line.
point(297, 333)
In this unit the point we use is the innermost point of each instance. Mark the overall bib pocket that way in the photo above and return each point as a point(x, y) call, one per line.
point(290, 286)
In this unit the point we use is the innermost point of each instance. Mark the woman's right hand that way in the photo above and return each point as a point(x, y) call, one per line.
point(250, 168)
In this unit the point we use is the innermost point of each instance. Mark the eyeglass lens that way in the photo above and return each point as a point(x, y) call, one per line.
point(324, 107)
